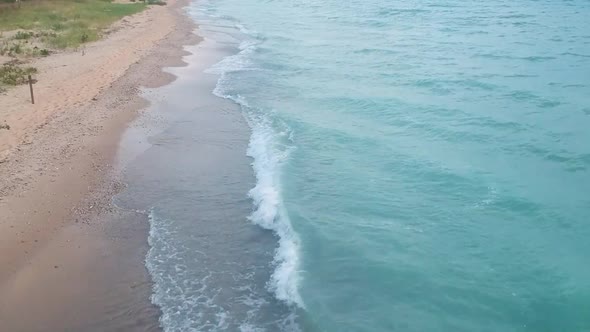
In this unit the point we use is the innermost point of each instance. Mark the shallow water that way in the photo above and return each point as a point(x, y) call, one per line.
point(187, 172)
point(415, 166)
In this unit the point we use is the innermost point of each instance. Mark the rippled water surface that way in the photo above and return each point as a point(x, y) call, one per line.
point(423, 165)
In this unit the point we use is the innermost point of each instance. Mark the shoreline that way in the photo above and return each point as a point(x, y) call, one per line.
point(55, 197)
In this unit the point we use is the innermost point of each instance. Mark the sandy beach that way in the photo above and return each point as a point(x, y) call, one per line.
point(66, 265)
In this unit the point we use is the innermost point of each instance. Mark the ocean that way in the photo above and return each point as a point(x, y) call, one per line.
point(373, 166)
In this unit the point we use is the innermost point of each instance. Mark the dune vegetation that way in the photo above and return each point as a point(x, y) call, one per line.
point(37, 28)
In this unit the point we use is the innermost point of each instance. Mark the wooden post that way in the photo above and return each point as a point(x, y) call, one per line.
point(31, 88)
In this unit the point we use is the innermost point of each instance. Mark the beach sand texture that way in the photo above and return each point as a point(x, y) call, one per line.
point(64, 264)
point(70, 80)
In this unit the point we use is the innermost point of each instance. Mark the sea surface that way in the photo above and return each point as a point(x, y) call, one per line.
point(373, 165)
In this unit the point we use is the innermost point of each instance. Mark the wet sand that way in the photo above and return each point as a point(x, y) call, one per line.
point(67, 263)
point(188, 172)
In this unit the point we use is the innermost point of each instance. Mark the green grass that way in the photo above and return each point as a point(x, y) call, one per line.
point(66, 23)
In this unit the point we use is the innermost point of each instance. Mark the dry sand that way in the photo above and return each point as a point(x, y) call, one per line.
point(65, 265)
point(70, 80)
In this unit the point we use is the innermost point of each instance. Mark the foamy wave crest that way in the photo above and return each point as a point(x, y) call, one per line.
point(234, 63)
point(230, 64)
point(269, 211)
point(269, 147)
point(238, 62)
point(269, 154)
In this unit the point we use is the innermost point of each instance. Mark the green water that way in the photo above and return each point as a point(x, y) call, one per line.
point(425, 165)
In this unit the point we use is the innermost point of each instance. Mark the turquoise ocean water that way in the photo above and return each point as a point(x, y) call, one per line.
point(424, 165)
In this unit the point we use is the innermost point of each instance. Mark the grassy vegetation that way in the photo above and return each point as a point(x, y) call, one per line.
point(38, 27)
point(13, 74)
point(21, 49)
point(156, 2)
point(65, 23)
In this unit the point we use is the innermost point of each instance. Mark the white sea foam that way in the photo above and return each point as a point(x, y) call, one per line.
point(249, 328)
point(269, 151)
point(269, 211)
point(238, 62)
point(186, 302)
point(243, 29)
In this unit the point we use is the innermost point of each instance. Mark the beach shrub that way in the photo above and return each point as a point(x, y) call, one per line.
point(15, 49)
point(19, 49)
point(156, 2)
point(13, 74)
point(23, 35)
point(72, 38)
point(11, 49)
point(57, 26)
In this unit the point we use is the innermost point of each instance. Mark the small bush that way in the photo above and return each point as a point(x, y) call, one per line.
point(11, 49)
point(71, 38)
point(15, 49)
point(43, 34)
point(19, 49)
point(12, 74)
point(58, 26)
point(156, 2)
point(23, 35)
